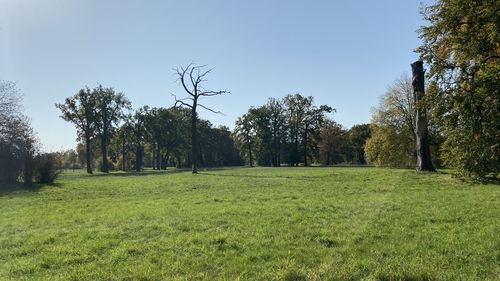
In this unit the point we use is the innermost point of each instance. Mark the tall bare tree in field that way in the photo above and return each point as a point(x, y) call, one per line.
point(424, 162)
point(191, 77)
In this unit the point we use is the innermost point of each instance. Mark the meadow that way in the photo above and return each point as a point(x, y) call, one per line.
point(335, 223)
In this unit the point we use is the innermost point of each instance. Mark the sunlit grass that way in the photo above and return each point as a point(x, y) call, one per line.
point(252, 224)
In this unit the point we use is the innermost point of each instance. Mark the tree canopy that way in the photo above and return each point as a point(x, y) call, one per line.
point(461, 47)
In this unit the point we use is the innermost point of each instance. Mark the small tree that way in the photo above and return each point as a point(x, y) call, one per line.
point(392, 141)
point(191, 78)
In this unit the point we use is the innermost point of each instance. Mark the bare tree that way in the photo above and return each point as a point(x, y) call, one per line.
point(424, 162)
point(191, 78)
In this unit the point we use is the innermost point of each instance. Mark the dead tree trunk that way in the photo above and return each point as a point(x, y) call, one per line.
point(191, 78)
point(194, 139)
point(424, 161)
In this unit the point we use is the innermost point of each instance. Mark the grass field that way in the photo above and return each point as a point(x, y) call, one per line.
point(253, 224)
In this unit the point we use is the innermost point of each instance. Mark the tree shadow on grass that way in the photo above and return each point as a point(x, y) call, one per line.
point(141, 173)
point(148, 172)
point(20, 189)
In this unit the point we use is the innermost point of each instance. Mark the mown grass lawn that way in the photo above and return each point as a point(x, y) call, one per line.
point(253, 224)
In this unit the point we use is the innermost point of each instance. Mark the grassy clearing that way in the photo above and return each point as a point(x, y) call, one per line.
point(253, 224)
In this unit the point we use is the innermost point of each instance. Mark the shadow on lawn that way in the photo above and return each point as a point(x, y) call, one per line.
point(141, 173)
point(19, 189)
point(148, 172)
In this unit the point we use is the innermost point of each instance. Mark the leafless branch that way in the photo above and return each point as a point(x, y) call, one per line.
point(181, 73)
point(180, 102)
point(201, 75)
point(211, 110)
point(213, 93)
point(196, 75)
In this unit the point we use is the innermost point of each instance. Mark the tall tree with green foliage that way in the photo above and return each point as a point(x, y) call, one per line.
point(244, 136)
point(80, 110)
point(139, 135)
point(296, 106)
point(109, 110)
point(356, 139)
point(277, 125)
point(123, 140)
point(261, 119)
point(332, 137)
point(304, 121)
point(461, 47)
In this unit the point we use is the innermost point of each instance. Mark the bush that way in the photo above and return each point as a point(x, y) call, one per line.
point(46, 168)
point(98, 163)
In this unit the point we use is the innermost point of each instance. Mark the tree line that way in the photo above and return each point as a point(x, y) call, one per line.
point(455, 114)
point(153, 137)
point(294, 131)
point(288, 131)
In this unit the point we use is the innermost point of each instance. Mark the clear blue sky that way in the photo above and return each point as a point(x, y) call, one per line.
point(344, 53)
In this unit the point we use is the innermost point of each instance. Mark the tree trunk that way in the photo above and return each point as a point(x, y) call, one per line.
point(153, 157)
point(194, 140)
point(279, 153)
point(305, 148)
point(296, 151)
point(138, 158)
point(123, 155)
point(104, 150)
point(158, 156)
point(424, 161)
point(88, 156)
point(250, 162)
point(28, 169)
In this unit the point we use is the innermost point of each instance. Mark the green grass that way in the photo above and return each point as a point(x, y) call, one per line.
point(253, 224)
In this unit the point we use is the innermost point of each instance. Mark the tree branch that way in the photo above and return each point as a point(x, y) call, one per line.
point(181, 102)
point(213, 93)
point(182, 73)
point(211, 110)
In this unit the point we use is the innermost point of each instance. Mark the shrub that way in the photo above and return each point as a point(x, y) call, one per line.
point(99, 163)
point(46, 170)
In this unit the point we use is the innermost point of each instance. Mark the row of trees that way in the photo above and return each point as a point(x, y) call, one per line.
point(150, 136)
point(95, 112)
point(153, 137)
point(293, 130)
point(161, 137)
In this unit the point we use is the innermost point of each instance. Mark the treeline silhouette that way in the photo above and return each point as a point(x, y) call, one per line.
point(290, 131)
point(294, 131)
